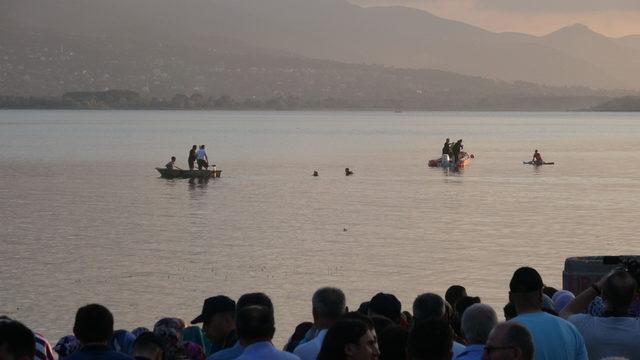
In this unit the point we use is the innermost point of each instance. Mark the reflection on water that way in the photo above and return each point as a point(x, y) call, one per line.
point(85, 217)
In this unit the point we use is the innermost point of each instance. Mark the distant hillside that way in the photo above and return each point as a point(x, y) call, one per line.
point(46, 64)
point(625, 103)
point(338, 30)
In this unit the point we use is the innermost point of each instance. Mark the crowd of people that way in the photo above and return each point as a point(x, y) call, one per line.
point(542, 323)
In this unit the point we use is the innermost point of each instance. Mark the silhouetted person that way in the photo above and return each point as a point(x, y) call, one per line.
point(218, 322)
point(477, 322)
point(553, 337)
point(509, 341)
point(192, 157)
point(537, 158)
point(327, 306)
point(615, 334)
point(17, 341)
point(202, 158)
point(455, 150)
point(348, 172)
point(430, 340)
point(246, 300)
point(93, 327)
point(172, 164)
point(256, 327)
point(147, 346)
point(352, 337)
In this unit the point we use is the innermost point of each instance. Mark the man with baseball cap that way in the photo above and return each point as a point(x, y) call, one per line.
point(553, 337)
point(218, 322)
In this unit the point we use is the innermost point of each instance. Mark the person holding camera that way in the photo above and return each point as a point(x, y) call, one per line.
point(615, 333)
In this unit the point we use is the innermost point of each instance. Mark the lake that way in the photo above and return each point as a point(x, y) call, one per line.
point(86, 218)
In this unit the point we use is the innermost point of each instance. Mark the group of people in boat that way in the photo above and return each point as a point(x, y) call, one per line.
point(347, 172)
point(196, 155)
point(452, 150)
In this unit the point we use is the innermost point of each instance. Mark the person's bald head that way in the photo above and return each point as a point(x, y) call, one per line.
point(509, 340)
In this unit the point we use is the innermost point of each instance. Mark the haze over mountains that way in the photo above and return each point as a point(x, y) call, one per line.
point(144, 40)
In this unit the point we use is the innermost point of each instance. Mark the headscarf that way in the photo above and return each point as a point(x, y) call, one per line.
point(561, 298)
point(66, 346)
point(122, 341)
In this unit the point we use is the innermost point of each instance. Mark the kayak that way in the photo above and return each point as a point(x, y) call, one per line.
point(535, 163)
point(187, 174)
point(465, 160)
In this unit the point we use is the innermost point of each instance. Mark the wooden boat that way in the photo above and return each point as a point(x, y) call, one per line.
point(535, 163)
point(187, 174)
point(465, 160)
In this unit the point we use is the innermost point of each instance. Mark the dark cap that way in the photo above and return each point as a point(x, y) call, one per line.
point(215, 305)
point(386, 305)
point(525, 280)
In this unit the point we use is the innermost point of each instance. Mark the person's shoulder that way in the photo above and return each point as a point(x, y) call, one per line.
point(112, 355)
point(287, 355)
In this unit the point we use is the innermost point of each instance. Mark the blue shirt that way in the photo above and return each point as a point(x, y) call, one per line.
point(228, 354)
point(311, 349)
point(264, 350)
point(471, 352)
point(97, 352)
point(553, 337)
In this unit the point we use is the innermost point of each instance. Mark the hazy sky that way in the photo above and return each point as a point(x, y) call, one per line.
point(610, 17)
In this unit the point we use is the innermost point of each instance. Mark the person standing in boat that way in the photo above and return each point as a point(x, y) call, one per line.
point(446, 152)
point(456, 149)
point(203, 159)
point(192, 157)
point(172, 164)
point(537, 158)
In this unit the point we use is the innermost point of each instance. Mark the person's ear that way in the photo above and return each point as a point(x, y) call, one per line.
point(519, 354)
point(350, 349)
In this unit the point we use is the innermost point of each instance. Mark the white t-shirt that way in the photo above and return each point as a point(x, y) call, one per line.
point(609, 336)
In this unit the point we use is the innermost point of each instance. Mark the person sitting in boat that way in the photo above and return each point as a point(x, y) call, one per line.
point(203, 159)
point(456, 149)
point(537, 158)
point(348, 172)
point(172, 164)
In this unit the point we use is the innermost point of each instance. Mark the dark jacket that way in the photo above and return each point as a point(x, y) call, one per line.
point(97, 352)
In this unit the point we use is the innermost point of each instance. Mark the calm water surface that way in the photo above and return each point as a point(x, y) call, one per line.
point(85, 217)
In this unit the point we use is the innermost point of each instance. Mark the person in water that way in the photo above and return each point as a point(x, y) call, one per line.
point(348, 172)
point(172, 164)
point(537, 158)
point(315, 173)
point(192, 157)
point(456, 149)
point(203, 159)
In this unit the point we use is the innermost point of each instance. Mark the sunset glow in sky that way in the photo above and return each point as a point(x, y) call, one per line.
point(614, 18)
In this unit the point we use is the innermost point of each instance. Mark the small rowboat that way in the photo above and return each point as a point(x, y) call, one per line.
point(465, 160)
point(187, 174)
point(535, 163)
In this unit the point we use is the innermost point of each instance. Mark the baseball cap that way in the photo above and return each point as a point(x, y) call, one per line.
point(214, 305)
point(525, 280)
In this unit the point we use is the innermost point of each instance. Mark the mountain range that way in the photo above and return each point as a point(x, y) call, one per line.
point(141, 40)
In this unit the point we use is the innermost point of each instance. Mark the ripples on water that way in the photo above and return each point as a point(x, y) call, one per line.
point(85, 217)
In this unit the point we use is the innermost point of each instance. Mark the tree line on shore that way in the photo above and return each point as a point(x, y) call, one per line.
point(127, 99)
